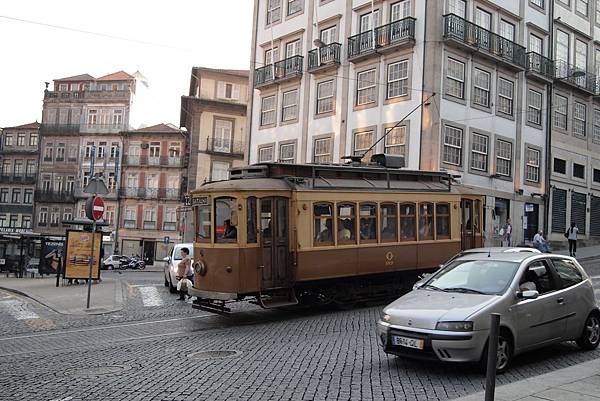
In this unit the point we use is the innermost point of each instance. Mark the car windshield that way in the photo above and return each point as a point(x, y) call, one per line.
point(177, 253)
point(473, 276)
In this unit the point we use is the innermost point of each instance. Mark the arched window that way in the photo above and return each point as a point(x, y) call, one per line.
point(346, 224)
point(323, 224)
point(425, 221)
point(389, 222)
point(408, 223)
point(368, 222)
point(442, 220)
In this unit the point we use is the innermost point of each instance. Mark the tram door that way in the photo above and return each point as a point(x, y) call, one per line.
point(276, 271)
point(467, 231)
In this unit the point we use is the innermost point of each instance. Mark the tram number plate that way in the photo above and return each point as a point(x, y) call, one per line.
point(408, 342)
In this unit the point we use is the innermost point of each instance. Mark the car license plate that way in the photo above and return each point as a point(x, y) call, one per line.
point(408, 342)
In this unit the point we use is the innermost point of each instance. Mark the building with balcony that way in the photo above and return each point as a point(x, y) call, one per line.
point(19, 149)
point(153, 179)
point(367, 65)
point(81, 115)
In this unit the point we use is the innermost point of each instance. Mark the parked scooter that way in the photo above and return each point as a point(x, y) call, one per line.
point(136, 263)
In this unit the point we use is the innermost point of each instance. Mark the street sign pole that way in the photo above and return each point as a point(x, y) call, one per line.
point(91, 264)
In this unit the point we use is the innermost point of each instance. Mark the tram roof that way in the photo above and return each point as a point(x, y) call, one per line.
point(307, 177)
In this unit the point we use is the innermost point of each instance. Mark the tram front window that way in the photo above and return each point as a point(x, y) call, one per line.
point(225, 227)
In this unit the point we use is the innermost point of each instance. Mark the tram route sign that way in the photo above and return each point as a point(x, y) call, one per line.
point(200, 201)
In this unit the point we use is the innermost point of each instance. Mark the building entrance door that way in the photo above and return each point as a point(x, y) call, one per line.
point(148, 256)
point(531, 222)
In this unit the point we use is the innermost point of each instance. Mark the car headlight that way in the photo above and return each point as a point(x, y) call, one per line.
point(385, 317)
point(454, 326)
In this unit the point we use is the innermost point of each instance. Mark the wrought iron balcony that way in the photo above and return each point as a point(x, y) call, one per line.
point(50, 196)
point(223, 146)
point(59, 129)
point(540, 65)
point(149, 225)
point(102, 128)
point(169, 226)
point(168, 193)
point(18, 149)
point(387, 38)
point(18, 178)
point(280, 71)
point(325, 57)
point(72, 96)
point(576, 77)
point(129, 223)
point(476, 38)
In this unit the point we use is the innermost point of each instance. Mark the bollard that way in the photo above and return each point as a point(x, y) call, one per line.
point(492, 357)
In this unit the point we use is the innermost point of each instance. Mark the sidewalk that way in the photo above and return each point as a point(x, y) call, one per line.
point(106, 296)
point(583, 253)
point(580, 382)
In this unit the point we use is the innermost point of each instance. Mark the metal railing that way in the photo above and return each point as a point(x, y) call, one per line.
point(286, 68)
point(137, 160)
point(385, 35)
point(473, 35)
point(225, 146)
point(129, 223)
point(54, 196)
point(540, 65)
point(86, 94)
point(325, 55)
point(169, 226)
point(62, 129)
point(575, 76)
point(18, 178)
point(18, 149)
point(149, 225)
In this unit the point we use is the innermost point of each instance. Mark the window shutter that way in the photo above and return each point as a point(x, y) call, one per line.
point(221, 90)
point(236, 92)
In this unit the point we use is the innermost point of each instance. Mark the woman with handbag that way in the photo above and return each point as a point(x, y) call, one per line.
point(571, 235)
point(184, 269)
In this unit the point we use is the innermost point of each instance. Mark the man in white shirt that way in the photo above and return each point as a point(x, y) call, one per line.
point(540, 242)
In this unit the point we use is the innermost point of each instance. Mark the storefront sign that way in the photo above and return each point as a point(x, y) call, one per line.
point(528, 207)
point(79, 251)
point(52, 252)
point(14, 230)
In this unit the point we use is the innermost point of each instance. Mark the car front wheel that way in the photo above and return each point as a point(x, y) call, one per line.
point(590, 337)
point(504, 354)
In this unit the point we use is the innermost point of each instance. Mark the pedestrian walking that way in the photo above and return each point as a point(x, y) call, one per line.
point(184, 267)
point(571, 235)
point(508, 232)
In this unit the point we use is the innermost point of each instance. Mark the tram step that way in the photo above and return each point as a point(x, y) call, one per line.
point(279, 298)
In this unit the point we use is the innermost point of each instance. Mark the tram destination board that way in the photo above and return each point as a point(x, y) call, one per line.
point(200, 201)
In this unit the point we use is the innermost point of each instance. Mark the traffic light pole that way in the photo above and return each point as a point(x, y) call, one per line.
point(91, 261)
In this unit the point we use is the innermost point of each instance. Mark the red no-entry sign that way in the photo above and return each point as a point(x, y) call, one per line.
point(94, 208)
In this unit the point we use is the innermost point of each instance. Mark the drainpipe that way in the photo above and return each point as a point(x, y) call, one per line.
point(549, 99)
point(423, 82)
point(249, 106)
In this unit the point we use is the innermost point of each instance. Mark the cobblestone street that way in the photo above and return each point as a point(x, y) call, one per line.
point(172, 352)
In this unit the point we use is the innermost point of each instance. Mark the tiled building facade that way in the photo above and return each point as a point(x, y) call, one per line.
point(333, 77)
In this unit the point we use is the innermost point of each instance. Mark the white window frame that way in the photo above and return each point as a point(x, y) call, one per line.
point(322, 153)
point(561, 113)
point(270, 112)
point(596, 127)
point(534, 106)
point(273, 11)
point(293, 7)
point(457, 7)
point(395, 145)
point(579, 119)
point(284, 153)
point(480, 145)
point(263, 152)
point(221, 172)
point(397, 81)
point(289, 105)
point(505, 99)
point(532, 167)
point(325, 102)
point(503, 156)
point(481, 92)
point(366, 89)
point(456, 145)
point(458, 89)
point(359, 151)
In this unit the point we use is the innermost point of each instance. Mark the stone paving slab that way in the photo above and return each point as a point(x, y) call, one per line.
point(106, 296)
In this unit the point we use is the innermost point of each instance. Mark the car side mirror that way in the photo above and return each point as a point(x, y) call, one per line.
point(529, 294)
point(166, 259)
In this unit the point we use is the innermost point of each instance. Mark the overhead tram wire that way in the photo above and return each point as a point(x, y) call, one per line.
point(147, 43)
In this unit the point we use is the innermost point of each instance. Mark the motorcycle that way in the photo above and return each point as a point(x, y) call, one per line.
point(136, 263)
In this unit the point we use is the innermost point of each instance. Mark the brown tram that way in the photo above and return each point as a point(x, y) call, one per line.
point(317, 234)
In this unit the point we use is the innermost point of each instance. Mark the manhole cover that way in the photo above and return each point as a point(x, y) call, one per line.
point(214, 354)
point(97, 371)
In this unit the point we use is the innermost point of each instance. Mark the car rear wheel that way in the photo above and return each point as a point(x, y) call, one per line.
point(590, 337)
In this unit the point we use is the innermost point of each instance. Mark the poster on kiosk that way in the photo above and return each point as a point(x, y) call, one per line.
point(79, 251)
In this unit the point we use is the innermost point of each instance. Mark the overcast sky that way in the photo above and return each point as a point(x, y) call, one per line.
point(208, 33)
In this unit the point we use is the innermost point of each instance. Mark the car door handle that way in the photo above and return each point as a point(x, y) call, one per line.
point(560, 300)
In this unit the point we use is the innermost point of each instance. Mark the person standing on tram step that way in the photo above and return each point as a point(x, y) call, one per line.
point(508, 232)
point(571, 235)
point(183, 268)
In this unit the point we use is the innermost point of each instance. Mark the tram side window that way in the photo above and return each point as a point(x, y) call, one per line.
point(442, 220)
point(265, 219)
point(225, 227)
point(368, 222)
point(425, 221)
point(203, 223)
point(408, 222)
point(251, 220)
point(389, 231)
point(323, 223)
point(346, 213)
point(476, 215)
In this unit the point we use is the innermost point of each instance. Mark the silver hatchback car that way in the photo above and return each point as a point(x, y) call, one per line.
point(542, 298)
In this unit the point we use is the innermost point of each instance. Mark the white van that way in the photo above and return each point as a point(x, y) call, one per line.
point(171, 266)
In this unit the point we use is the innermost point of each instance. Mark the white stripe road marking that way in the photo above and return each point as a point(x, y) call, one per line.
point(150, 296)
point(18, 310)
